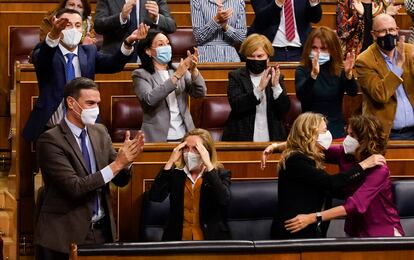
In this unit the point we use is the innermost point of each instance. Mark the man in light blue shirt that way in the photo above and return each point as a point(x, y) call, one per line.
point(386, 75)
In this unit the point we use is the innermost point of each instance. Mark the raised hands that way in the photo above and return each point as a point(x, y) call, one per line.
point(349, 64)
point(392, 9)
point(127, 8)
point(153, 10)
point(400, 51)
point(205, 156)
point(315, 65)
point(175, 155)
point(58, 25)
point(139, 34)
point(271, 73)
point(128, 152)
point(189, 63)
point(358, 7)
point(223, 15)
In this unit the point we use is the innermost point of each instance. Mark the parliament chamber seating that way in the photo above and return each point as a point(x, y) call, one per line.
point(215, 111)
point(181, 41)
point(254, 203)
point(22, 42)
point(126, 115)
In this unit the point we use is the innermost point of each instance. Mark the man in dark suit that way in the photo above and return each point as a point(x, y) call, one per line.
point(78, 162)
point(115, 19)
point(270, 20)
point(54, 68)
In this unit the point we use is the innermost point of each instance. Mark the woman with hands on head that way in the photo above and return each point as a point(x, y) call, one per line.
point(198, 187)
point(256, 95)
point(369, 208)
point(304, 186)
point(163, 88)
point(323, 78)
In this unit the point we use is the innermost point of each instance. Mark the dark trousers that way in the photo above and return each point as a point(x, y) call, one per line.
point(287, 54)
point(98, 234)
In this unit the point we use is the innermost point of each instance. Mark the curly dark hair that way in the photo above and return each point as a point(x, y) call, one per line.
point(370, 134)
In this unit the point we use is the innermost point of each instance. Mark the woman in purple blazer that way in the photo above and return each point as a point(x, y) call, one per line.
point(369, 208)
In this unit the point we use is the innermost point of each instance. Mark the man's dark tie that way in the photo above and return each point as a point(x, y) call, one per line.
point(70, 69)
point(87, 159)
point(133, 19)
point(289, 22)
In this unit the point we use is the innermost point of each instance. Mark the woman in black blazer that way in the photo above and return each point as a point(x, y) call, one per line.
point(304, 186)
point(256, 95)
point(193, 168)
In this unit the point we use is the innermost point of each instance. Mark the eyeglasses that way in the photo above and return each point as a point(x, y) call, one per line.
point(385, 31)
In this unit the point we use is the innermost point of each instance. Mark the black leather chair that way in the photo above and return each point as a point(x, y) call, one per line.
point(154, 218)
point(404, 199)
point(252, 207)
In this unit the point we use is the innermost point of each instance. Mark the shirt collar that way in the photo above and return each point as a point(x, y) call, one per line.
point(385, 56)
point(187, 172)
point(66, 51)
point(74, 129)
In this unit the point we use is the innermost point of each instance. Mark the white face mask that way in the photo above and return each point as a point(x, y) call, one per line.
point(71, 37)
point(325, 140)
point(350, 144)
point(192, 160)
point(89, 115)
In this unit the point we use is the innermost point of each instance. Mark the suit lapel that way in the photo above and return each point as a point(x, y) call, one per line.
point(83, 61)
point(70, 138)
point(379, 60)
point(62, 60)
point(142, 10)
point(245, 77)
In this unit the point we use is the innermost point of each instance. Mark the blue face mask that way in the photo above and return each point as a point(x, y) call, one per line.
point(323, 57)
point(164, 54)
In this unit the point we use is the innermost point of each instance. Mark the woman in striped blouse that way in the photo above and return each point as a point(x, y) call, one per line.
point(218, 25)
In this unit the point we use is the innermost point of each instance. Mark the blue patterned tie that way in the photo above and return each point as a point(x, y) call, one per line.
point(87, 159)
point(70, 69)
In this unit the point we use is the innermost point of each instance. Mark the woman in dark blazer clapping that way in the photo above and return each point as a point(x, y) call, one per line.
point(256, 95)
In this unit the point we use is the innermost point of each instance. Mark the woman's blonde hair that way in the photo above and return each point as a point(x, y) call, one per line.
point(370, 134)
point(303, 138)
point(255, 41)
point(208, 143)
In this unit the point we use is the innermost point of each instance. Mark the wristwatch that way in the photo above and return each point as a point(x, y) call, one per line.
point(318, 217)
point(129, 44)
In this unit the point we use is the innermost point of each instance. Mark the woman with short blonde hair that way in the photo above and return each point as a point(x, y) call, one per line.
point(256, 95)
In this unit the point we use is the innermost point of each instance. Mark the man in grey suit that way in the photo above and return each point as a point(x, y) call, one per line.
point(78, 162)
point(116, 19)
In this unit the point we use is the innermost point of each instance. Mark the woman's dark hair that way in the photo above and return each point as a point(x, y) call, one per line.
point(143, 45)
point(370, 134)
point(86, 8)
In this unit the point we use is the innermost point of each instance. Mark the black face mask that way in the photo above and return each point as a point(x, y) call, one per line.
point(387, 42)
point(256, 66)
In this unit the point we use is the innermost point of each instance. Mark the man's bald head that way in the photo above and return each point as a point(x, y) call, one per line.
point(383, 21)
